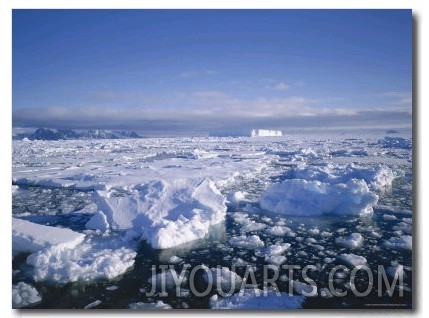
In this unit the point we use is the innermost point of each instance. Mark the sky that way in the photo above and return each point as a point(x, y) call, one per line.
point(196, 72)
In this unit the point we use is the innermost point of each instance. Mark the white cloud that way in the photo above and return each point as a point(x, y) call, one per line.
point(207, 111)
point(281, 87)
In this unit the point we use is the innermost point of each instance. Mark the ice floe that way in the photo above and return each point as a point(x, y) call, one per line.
point(354, 240)
point(251, 242)
point(82, 263)
point(403, 242)
point(29, 237)
point(166, 214)
point(352, 259)
point(301, 197)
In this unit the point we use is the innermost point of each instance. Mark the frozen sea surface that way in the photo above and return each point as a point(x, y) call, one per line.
point(95, 222)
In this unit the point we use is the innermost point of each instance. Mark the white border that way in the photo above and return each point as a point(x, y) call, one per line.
point(6, 6)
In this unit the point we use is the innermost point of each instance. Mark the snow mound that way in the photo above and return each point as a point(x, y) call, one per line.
point(29, 237)
point(265, 133)
point(166, 214)
point(301, 197)
point(82, 263)
point(23, 295)
point(257, 299)
point(354, 240)
point(250, 242)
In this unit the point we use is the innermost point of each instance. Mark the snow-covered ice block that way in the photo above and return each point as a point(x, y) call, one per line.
point(301, 197)
point(166, 214)
point(354, 240)
point(251, 242)
point(256, 299)
point(352, 259)
point(23, 295)
point(29, 237)
point(402, 242)
point(82, 263)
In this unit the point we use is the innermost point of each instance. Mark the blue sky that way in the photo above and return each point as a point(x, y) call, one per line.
point(206, 71)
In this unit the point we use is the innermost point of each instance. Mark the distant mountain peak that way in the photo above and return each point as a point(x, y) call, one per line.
point(63, 134)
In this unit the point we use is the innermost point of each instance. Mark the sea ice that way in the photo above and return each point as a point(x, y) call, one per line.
point(29, 237)
point(166, 214)
point(275, 249)
point(301, 197)
point(251, 242)
point(94, 304)
point(396, 142)
point(278, 230)
point(403, 242)
point(352, 259)
point(275, 259)
point(82, 263)
point(389, 217)
point(256, 299)
point(23, 295)
point(354, 240)
point(98, 222)
point(252, 226)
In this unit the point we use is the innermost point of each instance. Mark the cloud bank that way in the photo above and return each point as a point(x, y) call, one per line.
point(213, 112)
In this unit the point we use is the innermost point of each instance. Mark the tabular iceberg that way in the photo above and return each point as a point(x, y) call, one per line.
point(266, 133)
